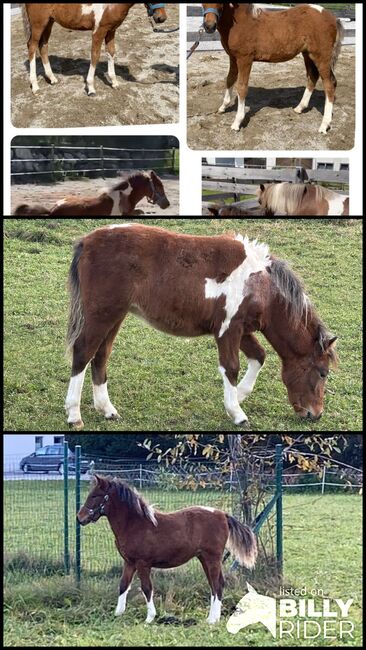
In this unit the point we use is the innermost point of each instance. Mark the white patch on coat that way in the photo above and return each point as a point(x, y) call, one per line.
point(336, 206)
point(116, 212)
point(102, 402)
point(97, 9)
point(122, 600)
point(121, 225)
point(73, 399)
point(207, 508)
point(61, 202)
point(257, 260)
point(231, 400)
point(317, 7)
point(215, 611)
point(246, 386)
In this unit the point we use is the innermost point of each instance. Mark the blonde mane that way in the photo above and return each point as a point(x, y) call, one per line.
point(288, 197)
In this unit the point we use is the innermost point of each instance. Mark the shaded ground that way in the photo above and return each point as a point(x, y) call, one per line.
point(147, 69)
point(48, 195)
point(271, 123)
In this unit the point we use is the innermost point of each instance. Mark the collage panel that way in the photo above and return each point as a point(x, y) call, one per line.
point(245, 86)
point(95, 176)
point(275, 186)
point(99, 65)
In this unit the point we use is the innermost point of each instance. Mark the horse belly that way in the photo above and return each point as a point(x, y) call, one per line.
point(172, 322)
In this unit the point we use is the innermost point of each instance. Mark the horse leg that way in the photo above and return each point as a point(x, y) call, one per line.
point(33, 44)
point(230, 82)
point(330, 85)
point(43, 48)
point(212, 569)
point(111, 52)
point(124, 587)
point(228, 346)
point(143, 571)
point(84, 350)
point(313, 76)
point(256, 358)
point(102, 402)
point(244, 68)
point(97, 41)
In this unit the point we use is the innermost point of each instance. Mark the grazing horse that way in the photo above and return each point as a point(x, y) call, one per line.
point(227, 211)
point(101, 19)
point(250, 34)
point(120, 200)
point(301, 200)
point(224, 286)
point(148, 539)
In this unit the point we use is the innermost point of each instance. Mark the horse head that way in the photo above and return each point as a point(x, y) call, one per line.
point(98, 502)
point(156, 11)
point(157, 192)
point(211, 16)
point(305, 378)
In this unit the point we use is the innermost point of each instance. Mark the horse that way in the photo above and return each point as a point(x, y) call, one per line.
point(148, 539)
point(225, 286)
point(25, 210)
point(227, 211)
point(120, 200)
point(101, 19)
point(301, 200)
point(250, 34)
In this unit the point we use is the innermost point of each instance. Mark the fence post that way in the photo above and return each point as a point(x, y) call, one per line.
point(78, 504)
point(279, 508)
point(173, 160)
point(66, 509)
point(53, 162)
point(323, 481)
point(102, 158)
point(140, 476)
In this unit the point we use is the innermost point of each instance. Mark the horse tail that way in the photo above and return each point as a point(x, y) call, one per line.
point(242, 542)
point(338, 44)
point(26, 22)
point(25, 210)
point(76, 315)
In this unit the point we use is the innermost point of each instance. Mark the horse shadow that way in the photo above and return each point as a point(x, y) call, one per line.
point(169, 69)
point(66, 67)
point(279, 98)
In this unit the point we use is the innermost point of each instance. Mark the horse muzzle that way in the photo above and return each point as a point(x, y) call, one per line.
point(210, 26)
point(164, 204)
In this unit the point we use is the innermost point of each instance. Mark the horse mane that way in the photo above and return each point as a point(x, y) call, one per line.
point(124, 183)
point(133, 500)
point(282, 197)
point(253, 9)
point(300, 309)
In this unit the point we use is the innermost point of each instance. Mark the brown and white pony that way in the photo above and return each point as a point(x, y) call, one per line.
point(148, 539)
point(224, 286)
point(101, 19)
point(120, 200)
point(301, 200)
point(250, 34)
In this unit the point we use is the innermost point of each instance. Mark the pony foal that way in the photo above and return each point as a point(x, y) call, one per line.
point(148, 539)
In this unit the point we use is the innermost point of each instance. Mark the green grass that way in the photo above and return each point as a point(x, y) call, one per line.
point(164, 383)
point(323, 550)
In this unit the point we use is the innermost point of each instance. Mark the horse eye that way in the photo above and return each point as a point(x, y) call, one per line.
point(323, 373)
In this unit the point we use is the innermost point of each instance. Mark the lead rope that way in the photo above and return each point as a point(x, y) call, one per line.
point(196, 43)
point(157, 30)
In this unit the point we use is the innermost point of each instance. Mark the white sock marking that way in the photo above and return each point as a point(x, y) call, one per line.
point(112, 71)
point(90, 80)
point(215, 611)
point(246, 386)
point(122, 600)
point(73, 399)
point(229, 95)
point(102, 402)
point(151, 611)
point(328, 114)
point(304, 102)
point(240, 115)
point(49, 74)
point(231, 400)
point(33, 74)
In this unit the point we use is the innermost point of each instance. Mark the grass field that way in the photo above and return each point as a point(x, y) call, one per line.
point(323, 550)
point(162, 383)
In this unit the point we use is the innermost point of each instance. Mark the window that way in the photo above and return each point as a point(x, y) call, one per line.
point(58, 440)
point(42, 451)
point(39, 442)
point(344, 167)
point(55, 451)
point(328, 166)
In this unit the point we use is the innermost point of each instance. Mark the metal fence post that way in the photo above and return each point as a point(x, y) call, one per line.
point(279, 507)
point(78, 504)
point(140, 476)
point(323, 481)
point(66, 509)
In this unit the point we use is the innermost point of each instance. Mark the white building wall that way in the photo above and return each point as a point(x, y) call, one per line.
point(18, 445)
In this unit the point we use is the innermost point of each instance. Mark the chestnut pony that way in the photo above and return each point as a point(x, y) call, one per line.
point(225, 286)
point(250, 34)
point(101, 19)
point(120, 200)
point(149, 539)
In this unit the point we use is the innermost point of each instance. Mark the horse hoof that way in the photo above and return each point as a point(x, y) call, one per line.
point(76, 426)
point(235, 127)
point(115, 417)
point(298, 110)
point(91, 93)
point(244, 424)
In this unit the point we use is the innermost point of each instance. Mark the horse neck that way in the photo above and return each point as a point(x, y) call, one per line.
point(288, 336)
point(141, 187)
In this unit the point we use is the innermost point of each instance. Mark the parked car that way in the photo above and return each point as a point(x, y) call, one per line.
point(51, 459)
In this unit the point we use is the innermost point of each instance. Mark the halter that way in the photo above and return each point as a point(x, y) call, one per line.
point(217, 12)
point(100, 509)
point(155, 194)
point(152, 7)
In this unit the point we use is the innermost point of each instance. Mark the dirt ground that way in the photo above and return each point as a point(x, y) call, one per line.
point(146, 67)
point(48, 195)
point(271, 123)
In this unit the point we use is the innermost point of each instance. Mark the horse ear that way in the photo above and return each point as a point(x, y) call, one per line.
point(330, 343)
point(152, 174)
point(96, 480)
point(263, 187)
